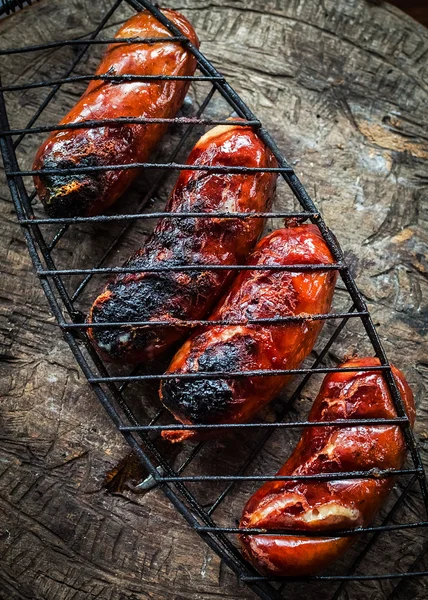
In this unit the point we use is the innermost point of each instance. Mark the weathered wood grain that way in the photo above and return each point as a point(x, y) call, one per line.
point(343, 86)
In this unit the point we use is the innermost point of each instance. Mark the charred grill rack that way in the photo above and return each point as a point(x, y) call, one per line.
point(111, 390)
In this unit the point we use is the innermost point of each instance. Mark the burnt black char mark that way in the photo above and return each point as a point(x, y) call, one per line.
point(137, 300)
point(167, 295)
point(208, 400)
point(197, 401)
point(71, 195)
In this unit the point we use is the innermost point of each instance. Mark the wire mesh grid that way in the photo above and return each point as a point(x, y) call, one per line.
point(67, 289)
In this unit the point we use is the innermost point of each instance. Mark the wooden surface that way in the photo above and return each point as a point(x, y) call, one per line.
point(343, 87)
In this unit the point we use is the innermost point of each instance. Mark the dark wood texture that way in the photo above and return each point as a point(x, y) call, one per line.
point(343, 87)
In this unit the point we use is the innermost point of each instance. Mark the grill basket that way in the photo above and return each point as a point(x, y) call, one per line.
point(69, 291)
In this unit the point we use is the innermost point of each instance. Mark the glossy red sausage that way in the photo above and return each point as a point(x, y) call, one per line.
point(184, 295)
point(91, 193)
point(333, 505)
point(254, 295)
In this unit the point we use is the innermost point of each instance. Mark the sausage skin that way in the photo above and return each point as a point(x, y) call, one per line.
point(90, 193)
point(322, 505)
point(253, 295)
point(185, 295)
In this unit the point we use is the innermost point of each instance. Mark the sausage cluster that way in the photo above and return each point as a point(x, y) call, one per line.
point(90, 193)
point(265, 311)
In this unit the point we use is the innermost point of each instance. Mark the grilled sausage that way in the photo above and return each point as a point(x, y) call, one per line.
point(184, 295)
point(329, 505)
point(261, 294)
point(90, 193)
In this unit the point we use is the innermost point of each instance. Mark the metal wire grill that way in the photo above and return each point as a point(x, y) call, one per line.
point(43, 236)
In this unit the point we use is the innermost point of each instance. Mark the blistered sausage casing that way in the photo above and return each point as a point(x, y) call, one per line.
point(90, 193)
point(336, 504)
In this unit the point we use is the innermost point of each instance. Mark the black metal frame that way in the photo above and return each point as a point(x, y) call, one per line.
point(110, 389)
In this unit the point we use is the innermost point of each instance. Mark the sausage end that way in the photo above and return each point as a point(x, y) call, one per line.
point(71, 195)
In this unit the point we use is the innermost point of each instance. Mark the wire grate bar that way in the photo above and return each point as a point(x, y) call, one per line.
point(212, 323)
point(231, 374)
point(148, 165)
point(282, 425)
point(157, 415)
point(170, 215)
point(91, 42)
point(121, 121)
point(312, 533)
point(372, 474)
point(191, 456)
point(107, 77)
point(193, 268)
point(57, 237)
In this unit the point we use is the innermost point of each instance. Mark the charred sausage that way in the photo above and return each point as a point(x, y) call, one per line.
point(184, 295)
point(259, 294)
point(90, 193)
point(336, 504)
